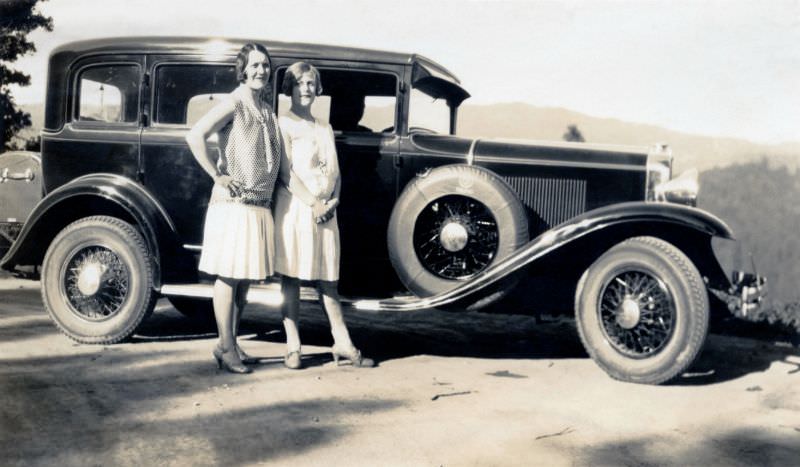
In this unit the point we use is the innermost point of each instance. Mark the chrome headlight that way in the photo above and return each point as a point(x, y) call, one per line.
point(659, 169)
point(682, 189)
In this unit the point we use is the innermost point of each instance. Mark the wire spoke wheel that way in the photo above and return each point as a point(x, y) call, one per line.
point(95, 282)
point(455, 237)
point(637, 313)
point(641, 311)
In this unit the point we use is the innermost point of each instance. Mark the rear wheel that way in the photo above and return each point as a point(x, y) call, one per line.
point(642, 311)
point(97, 280)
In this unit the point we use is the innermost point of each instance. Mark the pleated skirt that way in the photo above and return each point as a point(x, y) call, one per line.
point(304, 249)
point(238, 241)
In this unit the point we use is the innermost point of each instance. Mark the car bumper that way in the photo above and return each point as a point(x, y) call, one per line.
point(745, 295)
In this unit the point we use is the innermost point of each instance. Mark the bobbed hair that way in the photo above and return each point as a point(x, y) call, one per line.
point(244, 54)
point(293, 74)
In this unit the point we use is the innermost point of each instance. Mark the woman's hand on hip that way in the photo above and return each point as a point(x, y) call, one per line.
point(226, 181)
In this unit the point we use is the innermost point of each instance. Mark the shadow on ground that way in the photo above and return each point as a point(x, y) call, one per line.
point(474, 334)
point(226, 437)
point(744, 447)
point(387, 336)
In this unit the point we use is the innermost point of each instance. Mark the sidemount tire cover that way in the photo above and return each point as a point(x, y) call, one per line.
point(469, 181)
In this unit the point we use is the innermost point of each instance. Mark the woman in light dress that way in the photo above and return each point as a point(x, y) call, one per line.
point(238, 237)
point(307, 239)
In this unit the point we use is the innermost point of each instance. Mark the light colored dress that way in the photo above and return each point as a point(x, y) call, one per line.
point(238, 237)
point(304, 249)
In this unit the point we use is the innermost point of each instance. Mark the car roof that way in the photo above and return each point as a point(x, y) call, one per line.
point(230, 46)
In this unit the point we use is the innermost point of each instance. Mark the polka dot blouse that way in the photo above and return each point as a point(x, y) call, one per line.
point(250, 151)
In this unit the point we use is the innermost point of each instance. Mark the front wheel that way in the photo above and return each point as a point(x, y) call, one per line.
point(642, 311)
point(97, 280)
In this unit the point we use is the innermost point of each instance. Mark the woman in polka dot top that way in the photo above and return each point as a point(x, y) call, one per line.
point(238, 238)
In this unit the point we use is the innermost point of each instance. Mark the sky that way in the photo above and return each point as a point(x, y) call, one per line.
point(716, 68)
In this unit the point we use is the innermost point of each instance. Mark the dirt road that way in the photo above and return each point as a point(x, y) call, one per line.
point(471, 389)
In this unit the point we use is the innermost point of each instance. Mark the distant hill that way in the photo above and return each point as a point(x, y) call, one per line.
point(526, 121)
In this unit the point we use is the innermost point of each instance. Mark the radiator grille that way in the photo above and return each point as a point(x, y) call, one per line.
point(550, 201)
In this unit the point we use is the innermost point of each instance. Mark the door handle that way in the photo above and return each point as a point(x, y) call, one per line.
point(398, 161)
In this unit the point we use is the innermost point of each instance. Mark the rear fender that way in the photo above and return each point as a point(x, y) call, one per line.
point(89, 195)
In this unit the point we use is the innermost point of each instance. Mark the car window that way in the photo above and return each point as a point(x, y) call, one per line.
point(185, 92)
point(352, 101)
point(108, 93)
point(427, 112)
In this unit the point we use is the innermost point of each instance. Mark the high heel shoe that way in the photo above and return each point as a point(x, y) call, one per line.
point(245, 358)
point(352, 354)
point(229, 361)
point(293, 360)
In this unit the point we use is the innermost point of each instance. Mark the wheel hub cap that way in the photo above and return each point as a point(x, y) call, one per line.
point(454, 236)
point(637, 313)
point(89, 279)
point(95, 282)
point(629, 313)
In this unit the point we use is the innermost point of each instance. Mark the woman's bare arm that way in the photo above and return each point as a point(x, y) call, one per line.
point(197, 138)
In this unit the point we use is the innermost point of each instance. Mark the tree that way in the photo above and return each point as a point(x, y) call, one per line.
point(573, 134)
point(17, 19)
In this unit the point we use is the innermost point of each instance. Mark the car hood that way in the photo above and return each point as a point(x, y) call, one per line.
point(552, 153)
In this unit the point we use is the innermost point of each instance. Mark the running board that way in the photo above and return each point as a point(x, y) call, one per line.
point(270, 295)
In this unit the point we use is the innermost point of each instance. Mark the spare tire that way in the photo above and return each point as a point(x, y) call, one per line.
point(451, 223)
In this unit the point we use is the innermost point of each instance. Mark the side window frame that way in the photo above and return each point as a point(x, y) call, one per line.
point(74, 83)
point(154, 98)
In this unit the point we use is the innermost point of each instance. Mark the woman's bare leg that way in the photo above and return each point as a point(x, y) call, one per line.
point(240, 300)
point(224, 290)
point(329, 299)
point(290, 309)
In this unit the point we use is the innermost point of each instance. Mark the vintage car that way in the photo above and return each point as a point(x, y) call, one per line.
point(455, 221)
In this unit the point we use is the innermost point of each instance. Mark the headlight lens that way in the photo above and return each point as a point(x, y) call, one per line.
point(682, 189)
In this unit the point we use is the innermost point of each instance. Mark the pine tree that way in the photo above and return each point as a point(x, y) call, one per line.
point(573, 134)
point(17, 19)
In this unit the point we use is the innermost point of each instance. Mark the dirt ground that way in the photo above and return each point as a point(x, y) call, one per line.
point(450, 389)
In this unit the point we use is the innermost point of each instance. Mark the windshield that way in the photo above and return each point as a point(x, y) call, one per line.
point(428, 113)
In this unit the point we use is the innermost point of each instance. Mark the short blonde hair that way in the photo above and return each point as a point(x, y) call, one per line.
point(293, 74)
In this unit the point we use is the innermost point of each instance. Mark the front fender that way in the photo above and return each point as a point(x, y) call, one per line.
point(93, 194)
point(630, 213)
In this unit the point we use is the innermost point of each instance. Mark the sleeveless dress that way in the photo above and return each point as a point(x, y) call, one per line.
point(238, 237)
point(304, 249)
